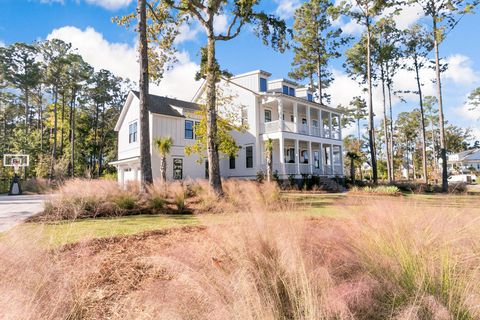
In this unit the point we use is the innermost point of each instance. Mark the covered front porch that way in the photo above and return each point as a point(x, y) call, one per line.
point(300, 157)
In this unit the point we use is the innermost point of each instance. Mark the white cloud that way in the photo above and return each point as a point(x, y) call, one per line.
point(188, 32)
point(2, 44)
point(121, 59)
point(408, 16)
point(110, 4)
point(220, 23)
point(460, 70)
point(286, 8)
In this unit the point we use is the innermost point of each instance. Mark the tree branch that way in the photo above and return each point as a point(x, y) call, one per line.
point(229, 35)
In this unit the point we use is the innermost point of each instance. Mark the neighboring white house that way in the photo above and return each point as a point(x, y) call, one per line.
point(464, 162)
point(307, 136)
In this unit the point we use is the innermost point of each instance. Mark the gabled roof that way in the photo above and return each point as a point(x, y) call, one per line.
point(158, 105)
point(468, 155)
point(167, 106)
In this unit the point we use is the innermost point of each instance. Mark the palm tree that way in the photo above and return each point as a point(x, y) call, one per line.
point(268, 155)
point(163, 146)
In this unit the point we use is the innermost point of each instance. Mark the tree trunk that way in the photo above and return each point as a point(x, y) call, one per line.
point(319, 84)
point(55, 124)
point(72, 134)
point(422, 116)
point(214, 178)
point(163, 168)
point(145, 158)
point(441, 122)
point(385, 125)
point(269, 166)
point(392, 163)
point(371, 124)
point(63, 124)
point(352, 170)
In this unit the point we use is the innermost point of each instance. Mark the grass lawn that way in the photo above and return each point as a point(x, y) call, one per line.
point(55, 234)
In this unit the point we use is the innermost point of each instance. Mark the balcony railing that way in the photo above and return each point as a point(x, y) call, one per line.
point(304, 168)
point(276, 126)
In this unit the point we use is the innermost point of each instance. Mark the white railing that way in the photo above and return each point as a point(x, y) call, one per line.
point(303, 128)
point(315, 131)
point(327, 169)
point(337, 170)
point(317, 171)
point(272, 126)
point(275, 126)
point(290, 168)
point(289, 126)
point(305, 168)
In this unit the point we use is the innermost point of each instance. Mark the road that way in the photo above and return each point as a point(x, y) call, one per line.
point(15, 209)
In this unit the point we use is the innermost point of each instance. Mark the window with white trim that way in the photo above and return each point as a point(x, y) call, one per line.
point(132, 132)
point(268, 115)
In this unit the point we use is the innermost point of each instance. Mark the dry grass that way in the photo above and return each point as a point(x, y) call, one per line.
point(382, 260)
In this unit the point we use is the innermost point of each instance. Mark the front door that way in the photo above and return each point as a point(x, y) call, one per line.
point(177, 168)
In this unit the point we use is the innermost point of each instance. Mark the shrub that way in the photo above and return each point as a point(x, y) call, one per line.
point(126, 201)
point(36, 185)
point(157, 203)
point(378, 190)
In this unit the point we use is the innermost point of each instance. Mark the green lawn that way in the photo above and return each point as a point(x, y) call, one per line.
point(59, 233)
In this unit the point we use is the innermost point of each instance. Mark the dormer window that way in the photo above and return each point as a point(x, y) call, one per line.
point(309, 97)
point(285, 89)
point(291, 91)
point(263, 85)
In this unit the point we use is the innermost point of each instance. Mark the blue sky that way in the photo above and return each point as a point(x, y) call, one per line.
point(87, 24)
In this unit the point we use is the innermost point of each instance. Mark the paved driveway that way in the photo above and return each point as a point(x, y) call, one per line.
point(15, 209)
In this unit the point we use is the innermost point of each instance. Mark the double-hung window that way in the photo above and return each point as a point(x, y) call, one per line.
point(249, 156)
point(189, 125)
point(232, 162)
point(132, 132)
point(268, 115)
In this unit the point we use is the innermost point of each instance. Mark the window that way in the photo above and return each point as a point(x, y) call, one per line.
point(263, 85)
point(290, 155)
point(285, 89)
point(309, 97)
point(315, 123)
point(232, 162)
point(268, 115)
point(304, 156)
point(132, 132)
point(292, 118)
point(244, 116)
point(188, 129)
point(291, 91)
point(304, 121)
point(249, 156)
point(177, 168)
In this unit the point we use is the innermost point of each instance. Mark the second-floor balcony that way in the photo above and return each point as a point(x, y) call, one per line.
point(287, 114)
point(301, 128)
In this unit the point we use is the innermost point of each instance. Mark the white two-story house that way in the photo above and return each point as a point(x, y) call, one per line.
point(307, 136)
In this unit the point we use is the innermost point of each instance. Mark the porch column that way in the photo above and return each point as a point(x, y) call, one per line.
point(331, 157)
point(320, 124)
point(330, 125)
point(282, 155)
point(280, 113)
point(135, 174)
point(320, 158)
point(121, 176)
point(295, 116)
point(297, 156)
point(309, 121)
point(310, 156)
point(340, 116)
point(341, 160)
